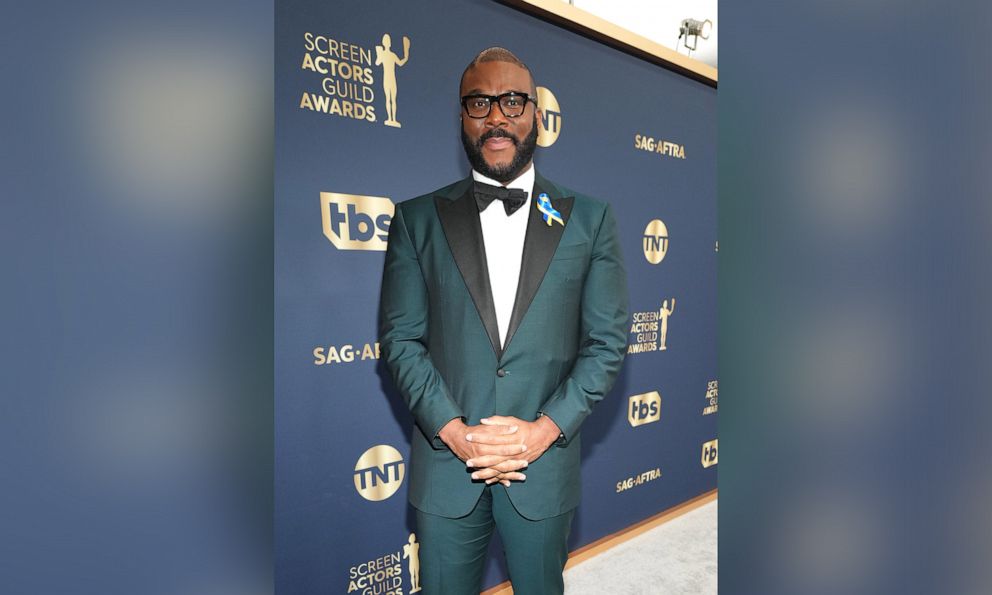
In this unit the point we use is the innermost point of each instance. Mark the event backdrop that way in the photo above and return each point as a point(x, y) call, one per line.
point(616, 127)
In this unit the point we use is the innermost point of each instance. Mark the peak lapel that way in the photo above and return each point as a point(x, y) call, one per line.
point(460, 221)
point(539, 247)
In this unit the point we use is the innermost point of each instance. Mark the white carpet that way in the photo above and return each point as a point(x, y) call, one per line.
point(678, 557)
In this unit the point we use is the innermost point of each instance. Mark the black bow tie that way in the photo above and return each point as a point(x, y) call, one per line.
point(513, 198)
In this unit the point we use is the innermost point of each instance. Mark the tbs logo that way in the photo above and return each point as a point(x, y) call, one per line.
point(709, 453)
point(353, 222)
point(644, 409)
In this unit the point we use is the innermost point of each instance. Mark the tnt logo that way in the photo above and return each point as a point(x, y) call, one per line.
point(655, 241)
point(353, 222)
point(379, 472)
point(709, 453)
point(644, 409)
point(550, 128)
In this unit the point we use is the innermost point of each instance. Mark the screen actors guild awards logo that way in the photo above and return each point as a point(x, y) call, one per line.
point(383, 575)
point(649, 330)
point(347, 86)
point(379, 472)
point(644, 409)
point(389, 62)
point(655, 241)
point(711, 397)
point(550, 128)
point(709, 456)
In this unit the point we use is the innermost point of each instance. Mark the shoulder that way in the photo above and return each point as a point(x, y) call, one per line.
point(424, 204)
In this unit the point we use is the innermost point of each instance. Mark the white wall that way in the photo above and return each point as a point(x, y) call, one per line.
point(659, 21)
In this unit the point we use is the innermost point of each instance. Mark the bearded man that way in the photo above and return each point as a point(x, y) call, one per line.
point(503, 320)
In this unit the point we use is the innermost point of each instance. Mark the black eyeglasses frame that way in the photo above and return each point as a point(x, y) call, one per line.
point(497, 100)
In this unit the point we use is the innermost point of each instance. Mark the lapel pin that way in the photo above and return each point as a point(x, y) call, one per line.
point(548, 212)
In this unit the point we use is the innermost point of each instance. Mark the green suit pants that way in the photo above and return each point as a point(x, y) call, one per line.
point(453, 551)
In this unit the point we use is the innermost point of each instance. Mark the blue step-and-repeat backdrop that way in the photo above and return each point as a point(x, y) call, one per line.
point(616, 127)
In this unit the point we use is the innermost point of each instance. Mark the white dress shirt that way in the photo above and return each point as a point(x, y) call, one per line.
point(503, 237)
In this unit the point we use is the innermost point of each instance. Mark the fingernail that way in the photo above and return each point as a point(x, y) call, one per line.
point(513, 428)
point(522, 477)
point(523, 448)
point(469, 464)
point(468, 437)
point(475, 476)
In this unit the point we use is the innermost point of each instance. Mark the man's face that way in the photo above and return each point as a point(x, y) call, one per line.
point(499, 147)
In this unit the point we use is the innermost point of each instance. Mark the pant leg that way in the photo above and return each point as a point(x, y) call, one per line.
point(536, 551)
point(453, 551)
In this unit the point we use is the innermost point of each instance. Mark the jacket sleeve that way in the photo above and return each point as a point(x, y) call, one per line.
point(403, 326)
point(603, 335)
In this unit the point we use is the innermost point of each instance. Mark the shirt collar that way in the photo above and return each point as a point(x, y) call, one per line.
point(524, 181)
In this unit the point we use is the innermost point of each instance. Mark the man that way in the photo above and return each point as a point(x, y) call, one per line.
point(503, 321)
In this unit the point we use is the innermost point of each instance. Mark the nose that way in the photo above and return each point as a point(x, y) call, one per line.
point(496, 117)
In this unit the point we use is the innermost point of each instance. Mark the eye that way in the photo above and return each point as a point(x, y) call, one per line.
point(513, 101)
point(478, 102)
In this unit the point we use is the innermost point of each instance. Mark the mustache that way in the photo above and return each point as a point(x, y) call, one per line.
point(496, 133)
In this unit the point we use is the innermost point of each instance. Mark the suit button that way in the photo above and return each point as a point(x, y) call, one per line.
point(501, 372)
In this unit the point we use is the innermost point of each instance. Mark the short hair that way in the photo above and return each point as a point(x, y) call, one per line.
point(498, 54)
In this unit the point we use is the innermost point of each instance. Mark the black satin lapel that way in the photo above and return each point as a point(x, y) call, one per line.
point(460, 221)
point(540, 244)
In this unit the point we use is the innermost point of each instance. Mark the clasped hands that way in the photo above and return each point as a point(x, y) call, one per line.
point(501, 447)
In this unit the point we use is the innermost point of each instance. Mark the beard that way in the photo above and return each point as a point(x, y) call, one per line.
point(501, 173)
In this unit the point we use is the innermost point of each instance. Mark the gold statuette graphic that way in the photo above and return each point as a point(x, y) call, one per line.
point(663, 315)
point(655, 241)
point(709, 457)
point(389, 61)
point(412, 550)
point(550, 128)
point(379, 472)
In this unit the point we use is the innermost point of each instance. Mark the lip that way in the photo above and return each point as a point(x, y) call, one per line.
point(498, 143)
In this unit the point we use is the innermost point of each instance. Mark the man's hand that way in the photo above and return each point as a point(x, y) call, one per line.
point(494, 447)
point(536, 436)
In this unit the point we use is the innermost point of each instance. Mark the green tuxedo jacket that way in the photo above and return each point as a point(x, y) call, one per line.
point(439, 338)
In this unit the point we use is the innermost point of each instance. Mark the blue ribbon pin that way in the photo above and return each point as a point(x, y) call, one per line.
point(548, 212)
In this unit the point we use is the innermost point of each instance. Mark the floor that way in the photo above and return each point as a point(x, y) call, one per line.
point(678, 557)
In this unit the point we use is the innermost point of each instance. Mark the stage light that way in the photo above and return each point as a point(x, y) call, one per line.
point(696, 29)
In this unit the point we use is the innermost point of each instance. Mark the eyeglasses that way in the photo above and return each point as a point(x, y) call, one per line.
point(512, 104)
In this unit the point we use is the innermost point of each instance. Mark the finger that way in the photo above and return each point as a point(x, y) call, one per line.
point(511, 465)
point(487, 473)
point(513, 475)
point(495, 428)
point(503, 450)
point(493, 439)
point(485, 461)
point(498, 420)
point(506, 483)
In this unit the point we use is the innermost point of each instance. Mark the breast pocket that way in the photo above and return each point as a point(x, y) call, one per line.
point(569, 264)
